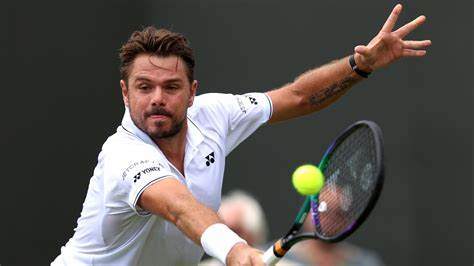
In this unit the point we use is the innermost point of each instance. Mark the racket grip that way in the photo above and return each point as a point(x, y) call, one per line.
point(269, 257)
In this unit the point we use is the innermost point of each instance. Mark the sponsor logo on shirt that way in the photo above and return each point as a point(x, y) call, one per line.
point(138, 163)
point(144, 172)
point(241, 105)
point(210, 159)
point(252, 100)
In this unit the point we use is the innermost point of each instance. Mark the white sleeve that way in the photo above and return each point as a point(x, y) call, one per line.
point(233, 117)
point(129, 172)
point(246, 114)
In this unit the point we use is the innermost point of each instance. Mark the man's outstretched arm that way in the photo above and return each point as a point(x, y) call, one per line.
point(171, 200)
point(322, 86)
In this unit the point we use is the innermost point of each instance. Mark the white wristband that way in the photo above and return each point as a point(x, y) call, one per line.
point(217, 240)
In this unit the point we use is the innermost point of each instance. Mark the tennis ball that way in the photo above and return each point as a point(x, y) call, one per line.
point(308, 179)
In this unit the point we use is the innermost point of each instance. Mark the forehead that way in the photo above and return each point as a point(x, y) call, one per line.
point(157, 68)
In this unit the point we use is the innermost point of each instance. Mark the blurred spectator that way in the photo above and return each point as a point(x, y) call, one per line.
point(243, 214)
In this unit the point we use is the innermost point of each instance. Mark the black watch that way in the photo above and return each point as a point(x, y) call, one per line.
point(354, 67)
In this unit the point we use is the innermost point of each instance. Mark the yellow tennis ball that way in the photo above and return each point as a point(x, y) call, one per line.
point(308, 179)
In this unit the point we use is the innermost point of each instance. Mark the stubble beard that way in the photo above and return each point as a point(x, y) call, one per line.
point(175, 128)
point(155, 133)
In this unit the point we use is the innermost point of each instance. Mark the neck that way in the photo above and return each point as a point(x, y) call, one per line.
point(174, 147)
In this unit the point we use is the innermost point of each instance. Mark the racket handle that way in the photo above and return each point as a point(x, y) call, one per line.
point(269, 257)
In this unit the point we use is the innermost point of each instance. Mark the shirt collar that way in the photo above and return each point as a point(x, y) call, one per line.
point(194, 135)
point(129, 126)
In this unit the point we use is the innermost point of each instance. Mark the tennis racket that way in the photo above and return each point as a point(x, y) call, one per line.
point(354, 172)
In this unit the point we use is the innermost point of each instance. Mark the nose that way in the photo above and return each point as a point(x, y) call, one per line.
point(158, 97)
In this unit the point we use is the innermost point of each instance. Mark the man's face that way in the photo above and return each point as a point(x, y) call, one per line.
point(158, 94)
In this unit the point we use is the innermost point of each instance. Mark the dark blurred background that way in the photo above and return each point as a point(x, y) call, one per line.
point(61, 100)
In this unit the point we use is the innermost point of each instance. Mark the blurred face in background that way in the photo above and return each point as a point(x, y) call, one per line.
point(158, 93)
point(333, 216)
point(233, 216)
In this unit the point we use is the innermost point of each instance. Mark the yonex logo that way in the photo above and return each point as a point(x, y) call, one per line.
point(253, 100)
point(136, 177)
point(145, 171)
point(210, 159)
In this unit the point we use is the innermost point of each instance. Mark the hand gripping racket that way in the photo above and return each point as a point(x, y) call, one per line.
point(354, 171)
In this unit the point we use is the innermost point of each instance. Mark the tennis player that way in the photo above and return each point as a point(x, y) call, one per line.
point(153, 197)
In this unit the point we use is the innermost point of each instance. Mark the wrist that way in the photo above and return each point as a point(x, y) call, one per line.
point(217, 241)
point(235, 252)
point(357, 64)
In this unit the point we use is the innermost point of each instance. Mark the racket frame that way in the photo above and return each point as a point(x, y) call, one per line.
point(292, 237)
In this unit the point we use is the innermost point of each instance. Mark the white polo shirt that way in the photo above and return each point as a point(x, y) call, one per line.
point(113, 230)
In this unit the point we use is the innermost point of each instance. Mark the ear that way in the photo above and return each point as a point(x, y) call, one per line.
point(123, 85)
point(193, 89)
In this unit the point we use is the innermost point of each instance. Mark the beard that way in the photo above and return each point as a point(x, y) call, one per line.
point(174, 129)
point(156, 130)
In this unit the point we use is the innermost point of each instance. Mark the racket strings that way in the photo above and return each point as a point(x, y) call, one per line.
point(350, 182)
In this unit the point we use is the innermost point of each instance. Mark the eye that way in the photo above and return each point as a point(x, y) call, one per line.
point(172, 86)
point(144, 87)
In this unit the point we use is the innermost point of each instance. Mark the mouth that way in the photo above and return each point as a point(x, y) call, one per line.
point(158, 117)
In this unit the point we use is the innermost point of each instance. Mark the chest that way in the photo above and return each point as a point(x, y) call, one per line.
point(204, 166)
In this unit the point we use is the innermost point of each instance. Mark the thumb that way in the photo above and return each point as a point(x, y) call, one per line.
point(361, 49)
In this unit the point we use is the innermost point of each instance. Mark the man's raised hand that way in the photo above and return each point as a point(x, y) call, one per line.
point(389, 45)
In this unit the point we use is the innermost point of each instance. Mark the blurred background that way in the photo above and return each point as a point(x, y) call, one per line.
point(61, 100)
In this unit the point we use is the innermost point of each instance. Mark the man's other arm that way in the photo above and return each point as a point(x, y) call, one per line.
point(322, 86)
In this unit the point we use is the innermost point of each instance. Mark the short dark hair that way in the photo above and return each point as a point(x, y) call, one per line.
point(160, 42)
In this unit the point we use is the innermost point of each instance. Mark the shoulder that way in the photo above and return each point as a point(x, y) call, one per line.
point(217, 107)
point(211, 102)
point(210, 111)
point(123, 149)
point(123, 142)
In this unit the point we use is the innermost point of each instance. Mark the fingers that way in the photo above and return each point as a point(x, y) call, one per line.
point(409, 27)
point(392, 19)
point(257, 261)
point(416, 44)
point(413, 53)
